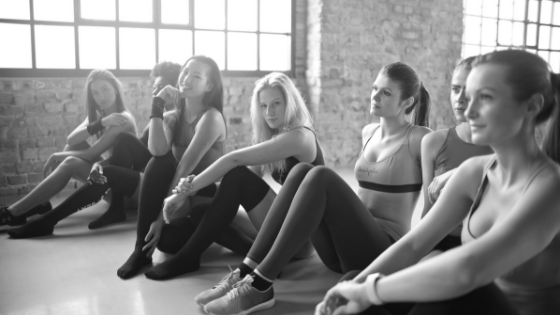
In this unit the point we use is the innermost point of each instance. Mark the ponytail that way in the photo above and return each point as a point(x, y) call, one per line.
point(552, 136)
point(421, 108)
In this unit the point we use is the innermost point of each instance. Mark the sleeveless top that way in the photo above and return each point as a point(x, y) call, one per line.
point(397, 173)
point(455, 151)
point(279, 176)
point(184, 140)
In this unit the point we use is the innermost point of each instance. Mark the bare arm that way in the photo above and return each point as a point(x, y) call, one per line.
point(78, 135)
point(431, 145)
point(161, 134)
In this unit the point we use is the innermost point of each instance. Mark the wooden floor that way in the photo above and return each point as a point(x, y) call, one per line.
point(74, 272)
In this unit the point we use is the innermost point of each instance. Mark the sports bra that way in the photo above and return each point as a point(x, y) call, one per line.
point(397, 173)
point(455, 151)
point(279, 176)
point(480, 192)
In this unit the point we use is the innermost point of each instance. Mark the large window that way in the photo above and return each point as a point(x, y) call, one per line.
point(71, 37)
point(533, 25)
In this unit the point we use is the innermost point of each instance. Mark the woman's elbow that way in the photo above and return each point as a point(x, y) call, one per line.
point(158, 151)
point(469, 275)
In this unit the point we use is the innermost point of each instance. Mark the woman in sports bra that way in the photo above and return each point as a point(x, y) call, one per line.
point(194, 134)
point(444, 150)
point(509, 201)
point(283, 136)
point(347, 230)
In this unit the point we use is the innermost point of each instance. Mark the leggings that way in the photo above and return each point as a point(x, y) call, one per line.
point(315, 203)
point(210, 222)
point(129, 157)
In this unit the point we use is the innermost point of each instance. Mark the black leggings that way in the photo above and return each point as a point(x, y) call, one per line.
point(315, 203)
point(123, 175)
point(210, 222)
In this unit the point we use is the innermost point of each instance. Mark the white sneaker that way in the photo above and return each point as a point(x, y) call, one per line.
point(221, 289)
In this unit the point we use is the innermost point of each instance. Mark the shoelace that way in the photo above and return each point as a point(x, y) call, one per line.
point(5, 215)
point(240, 287)
point(222, 284)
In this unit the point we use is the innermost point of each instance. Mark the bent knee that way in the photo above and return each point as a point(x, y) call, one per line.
point(124, 138)
point(72, 162)
point(321, 173)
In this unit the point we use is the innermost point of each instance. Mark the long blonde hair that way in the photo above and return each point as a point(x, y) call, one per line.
point(297, 115)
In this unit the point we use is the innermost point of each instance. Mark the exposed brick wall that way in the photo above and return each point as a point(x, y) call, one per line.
point(349, 41)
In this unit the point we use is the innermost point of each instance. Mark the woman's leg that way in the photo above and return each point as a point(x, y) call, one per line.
point(130, 153)
point(240, 186)
point(153, 190)
point(120, 180)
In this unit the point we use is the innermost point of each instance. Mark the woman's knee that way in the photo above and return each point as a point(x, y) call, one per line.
point(72, 163)
point(124, 138)
point(321, 175)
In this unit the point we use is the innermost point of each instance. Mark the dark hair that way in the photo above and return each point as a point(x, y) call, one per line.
point(411, 86)
point(213, 98)
point(168, 70)
point(91, 105)
point(465, 64)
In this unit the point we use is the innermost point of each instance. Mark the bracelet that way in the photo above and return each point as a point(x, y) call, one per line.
point(95, 127)
point(157, 107)
point(371, 288)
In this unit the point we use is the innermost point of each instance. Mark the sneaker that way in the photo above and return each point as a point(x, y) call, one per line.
point(243, 299)
point(6, 217)
point(221, 289)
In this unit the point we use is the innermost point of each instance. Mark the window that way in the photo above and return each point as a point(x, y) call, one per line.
point(533, 25)
point(244, 37)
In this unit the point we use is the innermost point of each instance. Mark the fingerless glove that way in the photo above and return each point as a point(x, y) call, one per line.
point(95, 127)
point(157, 107)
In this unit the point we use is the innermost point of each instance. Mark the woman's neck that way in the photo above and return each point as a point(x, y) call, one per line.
point(393, 125)
point(193, 107)
point(464, 132)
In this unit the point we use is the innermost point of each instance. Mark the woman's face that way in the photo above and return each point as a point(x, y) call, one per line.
point(493, 113)
point(193, 80)
point(273, 106)
point(385, 97)
point(457, 97)
point(103, 93)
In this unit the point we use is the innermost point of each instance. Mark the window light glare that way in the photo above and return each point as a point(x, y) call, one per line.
point(15, 10)
point(98, 10)
point(53, 10)
point(19, 54)
point(175, 12)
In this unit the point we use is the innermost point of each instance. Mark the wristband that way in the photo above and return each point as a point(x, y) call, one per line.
point(95, 127)
point(371, 288)
point(157, 107)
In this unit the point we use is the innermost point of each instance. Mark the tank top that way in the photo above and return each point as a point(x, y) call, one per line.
point(397, 173)
point(455, 151)
point(279, 176)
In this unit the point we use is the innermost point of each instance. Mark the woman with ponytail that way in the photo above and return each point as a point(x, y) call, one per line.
point(347, 230)
point(508, 203)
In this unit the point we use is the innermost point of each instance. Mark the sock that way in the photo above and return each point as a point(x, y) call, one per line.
point(244, 270)
point(173, 267)
point(133, 264)
point(114, 214)
point(39, 209)
point(260, 282)
point(35, 228)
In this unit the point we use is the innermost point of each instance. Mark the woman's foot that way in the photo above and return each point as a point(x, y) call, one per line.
point(133, 265)
point(111, 216)
point(242, 299)
point(172, 268)
point(39, 209)
point(35, 228)
point(221, 289)
point(7, 218)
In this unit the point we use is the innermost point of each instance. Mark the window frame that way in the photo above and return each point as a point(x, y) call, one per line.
point(526, 22)
point(155, 25)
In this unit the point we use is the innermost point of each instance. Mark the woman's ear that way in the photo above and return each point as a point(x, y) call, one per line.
point(535, 105)
point(407, 102)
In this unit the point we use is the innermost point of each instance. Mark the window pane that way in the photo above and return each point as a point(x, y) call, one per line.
point(543, 54)
point(544, 37)
point(175, 45)
point(175, 12)
point(242, 15)
point(210, 14)
point(506, 9)
point(17, 10)
point(242, 51)
point(471, 50)
point(54, 47)
point(504, 33)
point(135, 10)
point(531, 35)
point(97, 47)
point(53, 10)
point(555, 44)
point(276, 16)
point(489, 27)
point(98, 10)
point(490, 8)
point(518, 33)
point(485, 49)
point(533, 14)
point(546, 12)
point(275, 52)
point(555, 61)
point(556, 14)
point(519, 10)
point(137, 48)
point(19, 54)
point(211, 44)
point(472, 30)
point(473, 7)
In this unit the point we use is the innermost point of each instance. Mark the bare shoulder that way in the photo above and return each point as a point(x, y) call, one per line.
point(298, 134)
point(418, 132)
point(549, 178)
point(474, 166)
point(368, 130)
point(212, 114)
point(434, 140)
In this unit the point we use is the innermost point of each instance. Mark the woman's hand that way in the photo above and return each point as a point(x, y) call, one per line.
point(437, 185)
point(96, 174)
point(347, 297)
point(172, 204)
point(114, 120)
point(152, 238)
point(185, 185)
point(52, 163)
point(169, 94)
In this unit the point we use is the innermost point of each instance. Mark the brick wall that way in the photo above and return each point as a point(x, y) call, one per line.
point(349, 41)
